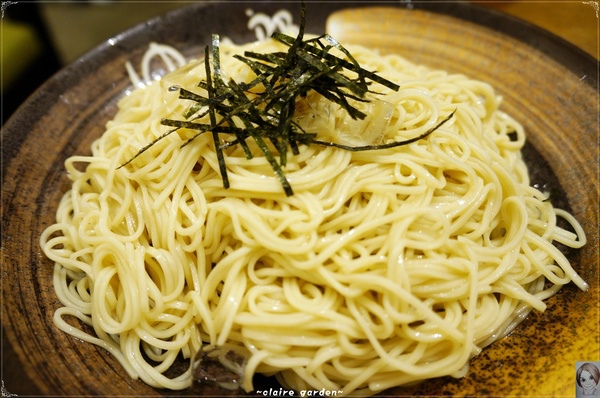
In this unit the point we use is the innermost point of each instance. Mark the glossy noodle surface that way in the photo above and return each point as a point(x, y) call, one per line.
point(383, 268)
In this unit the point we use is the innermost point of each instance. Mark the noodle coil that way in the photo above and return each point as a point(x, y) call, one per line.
point(384, 268)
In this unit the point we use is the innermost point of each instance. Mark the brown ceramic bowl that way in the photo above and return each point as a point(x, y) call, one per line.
point(548, 85)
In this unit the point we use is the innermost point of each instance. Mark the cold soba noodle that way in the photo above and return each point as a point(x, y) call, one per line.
point(384, 267)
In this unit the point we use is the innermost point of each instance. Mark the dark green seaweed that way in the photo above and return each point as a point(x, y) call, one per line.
point(243, 111)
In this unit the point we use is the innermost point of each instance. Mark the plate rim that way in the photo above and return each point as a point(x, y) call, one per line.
point(24, 111)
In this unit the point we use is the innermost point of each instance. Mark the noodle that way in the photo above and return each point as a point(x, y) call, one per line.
point(384, 268)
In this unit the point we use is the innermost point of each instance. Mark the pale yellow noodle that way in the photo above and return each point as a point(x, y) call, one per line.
point(384, 268)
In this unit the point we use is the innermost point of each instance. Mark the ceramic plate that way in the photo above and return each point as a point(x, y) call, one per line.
point(548, 85)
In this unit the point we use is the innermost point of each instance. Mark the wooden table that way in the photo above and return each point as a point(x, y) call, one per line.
point(574, 21)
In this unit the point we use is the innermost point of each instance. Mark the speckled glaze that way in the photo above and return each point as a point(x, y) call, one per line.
point(547, 85)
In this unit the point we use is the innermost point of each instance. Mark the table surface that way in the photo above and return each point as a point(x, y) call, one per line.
point(574, 21)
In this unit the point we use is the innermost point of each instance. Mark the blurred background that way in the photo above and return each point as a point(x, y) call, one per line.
point(38, 38)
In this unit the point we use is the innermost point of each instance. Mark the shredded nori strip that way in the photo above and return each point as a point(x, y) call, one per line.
point(244, 112)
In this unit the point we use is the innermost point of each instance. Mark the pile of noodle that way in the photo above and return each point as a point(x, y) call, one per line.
point(385, 267)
